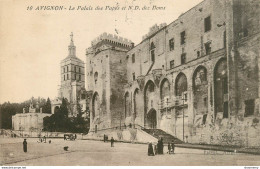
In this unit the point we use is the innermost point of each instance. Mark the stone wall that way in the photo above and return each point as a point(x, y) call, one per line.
point(106, 76)
point(28, 121)
point(222, 86)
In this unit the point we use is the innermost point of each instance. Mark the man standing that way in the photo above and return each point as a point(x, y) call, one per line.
point(159, 147)
point(25, 145)
point(112, 142)
point(173, 146)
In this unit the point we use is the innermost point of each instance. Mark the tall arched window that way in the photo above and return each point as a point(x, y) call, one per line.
point(181, 85)
point(152, 52)
point(165, 92)
point(221, 88)
point(150, 119)
point(95, 105)
point(200, 90)
point(95, 77)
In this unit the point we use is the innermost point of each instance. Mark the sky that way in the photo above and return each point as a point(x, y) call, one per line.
point(33, 42)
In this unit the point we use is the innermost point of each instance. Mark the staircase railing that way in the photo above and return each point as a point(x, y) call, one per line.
point(134, 126)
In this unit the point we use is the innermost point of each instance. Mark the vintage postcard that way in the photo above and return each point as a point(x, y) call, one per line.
point(129, 83)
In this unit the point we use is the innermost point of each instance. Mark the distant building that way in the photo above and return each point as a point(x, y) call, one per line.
point(72, 81)
point(29, 121)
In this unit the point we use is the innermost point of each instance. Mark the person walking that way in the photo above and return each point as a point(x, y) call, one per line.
point(169, 148)
point(155, 150)
point(104, 138)
point(112, 142)
point(158, 147)
point(25, 145)
point(173, 146)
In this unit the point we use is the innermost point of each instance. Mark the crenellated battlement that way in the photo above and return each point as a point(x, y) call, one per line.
point(114, 39)
point(154, 29)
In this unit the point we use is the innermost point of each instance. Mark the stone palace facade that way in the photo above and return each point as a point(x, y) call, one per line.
point(196, 78)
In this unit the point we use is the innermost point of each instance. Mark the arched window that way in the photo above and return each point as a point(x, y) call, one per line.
point(95, 77)
point(221, 88)
point(150, 119)
point(149, 96)
point(200, 90)
point(152, 52)
point(181, 85)
point(95, 105)
point(165, 93)
point(165, 89)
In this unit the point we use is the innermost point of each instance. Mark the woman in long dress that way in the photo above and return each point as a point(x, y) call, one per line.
point(25, 145)
point(150, 150)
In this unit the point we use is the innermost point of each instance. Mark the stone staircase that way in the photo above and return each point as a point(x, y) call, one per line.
point(167, 138)
point(9, 133)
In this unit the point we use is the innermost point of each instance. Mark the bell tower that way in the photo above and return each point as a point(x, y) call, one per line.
point(72, 75)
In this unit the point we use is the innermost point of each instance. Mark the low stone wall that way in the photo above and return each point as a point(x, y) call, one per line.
point(228, 133)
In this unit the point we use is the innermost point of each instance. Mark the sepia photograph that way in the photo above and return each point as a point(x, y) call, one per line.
point(129, 83)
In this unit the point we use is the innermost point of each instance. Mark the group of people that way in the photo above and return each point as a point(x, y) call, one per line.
point(43, 140)
point(70, 136)
point(171, 148)
point(111, 140)
point(158, 149)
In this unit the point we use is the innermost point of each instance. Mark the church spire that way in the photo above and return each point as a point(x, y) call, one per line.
point(72, 48)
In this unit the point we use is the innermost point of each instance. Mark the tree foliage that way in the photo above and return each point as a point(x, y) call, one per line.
point(47, 107)
point(60, 121)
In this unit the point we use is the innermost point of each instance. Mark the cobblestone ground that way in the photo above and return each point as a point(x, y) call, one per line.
point(84, 152)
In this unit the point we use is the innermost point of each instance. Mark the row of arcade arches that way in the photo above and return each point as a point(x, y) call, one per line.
point(200, 94)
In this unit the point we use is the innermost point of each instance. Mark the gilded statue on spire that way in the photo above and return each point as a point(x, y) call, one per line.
point(71, 36)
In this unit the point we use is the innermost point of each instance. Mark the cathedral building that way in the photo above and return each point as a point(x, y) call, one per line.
point(72, 86)
point(196, 78)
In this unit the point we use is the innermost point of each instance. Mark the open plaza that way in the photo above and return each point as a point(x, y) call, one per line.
point(98, 153)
